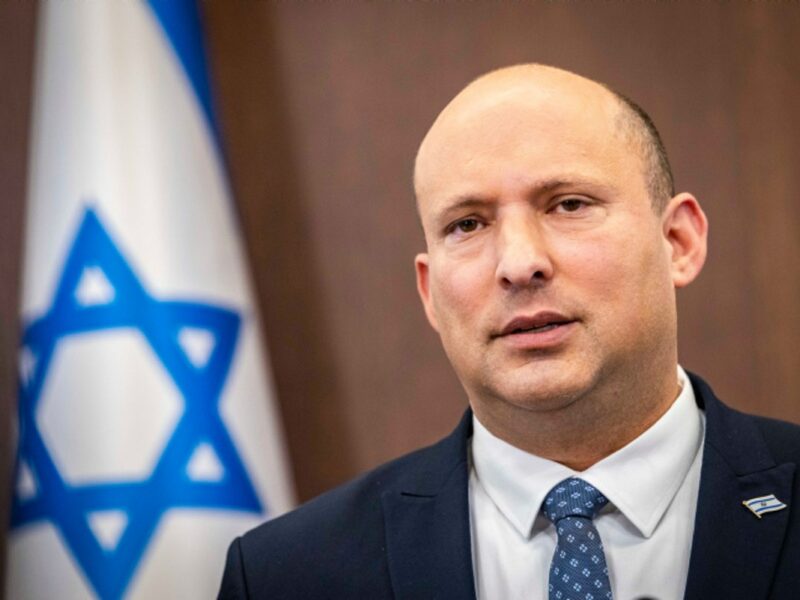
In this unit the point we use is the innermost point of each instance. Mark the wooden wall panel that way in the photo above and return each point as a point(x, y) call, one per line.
point(322, 106)
point(16, 54)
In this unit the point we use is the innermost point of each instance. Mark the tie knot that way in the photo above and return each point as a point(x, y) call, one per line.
point(573, 497)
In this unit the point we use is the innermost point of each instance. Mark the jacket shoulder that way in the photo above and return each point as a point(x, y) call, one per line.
point(782, 438)
point(330, 511)
point(336, 542)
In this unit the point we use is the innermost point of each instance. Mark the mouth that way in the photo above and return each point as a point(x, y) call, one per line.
point(539, 323)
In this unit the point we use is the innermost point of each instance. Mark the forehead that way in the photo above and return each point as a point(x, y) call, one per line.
point(496, 137)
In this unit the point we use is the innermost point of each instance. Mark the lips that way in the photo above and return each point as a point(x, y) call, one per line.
point(539, 323)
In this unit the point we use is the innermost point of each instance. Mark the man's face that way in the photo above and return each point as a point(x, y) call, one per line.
point(548, 272)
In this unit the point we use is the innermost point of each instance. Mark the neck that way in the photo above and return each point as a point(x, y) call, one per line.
point(587, 429)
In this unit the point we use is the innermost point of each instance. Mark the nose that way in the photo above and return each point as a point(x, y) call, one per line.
point(523, 255)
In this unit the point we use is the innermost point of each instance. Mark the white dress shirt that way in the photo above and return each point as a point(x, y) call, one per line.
point(646, 528)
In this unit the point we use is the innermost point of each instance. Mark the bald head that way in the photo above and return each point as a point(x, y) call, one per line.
point(552, 259)
point(532, 85)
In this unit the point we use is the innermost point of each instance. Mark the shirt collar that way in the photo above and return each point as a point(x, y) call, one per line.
point(658, 461)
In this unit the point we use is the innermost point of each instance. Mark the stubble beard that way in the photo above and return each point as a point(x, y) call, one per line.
point(603, 400)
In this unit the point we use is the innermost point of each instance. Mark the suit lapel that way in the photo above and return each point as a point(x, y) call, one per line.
point(734, 553)
point(427, 525)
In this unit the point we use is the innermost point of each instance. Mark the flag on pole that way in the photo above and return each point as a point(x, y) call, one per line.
point(147, 433)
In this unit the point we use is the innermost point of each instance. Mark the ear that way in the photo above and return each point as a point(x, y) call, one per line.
point(685, 230)
point(423, 287)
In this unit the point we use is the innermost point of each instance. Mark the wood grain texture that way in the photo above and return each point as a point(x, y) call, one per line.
point(322, 106)
point(16, 60)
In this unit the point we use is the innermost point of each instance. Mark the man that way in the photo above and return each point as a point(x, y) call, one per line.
point(591, 465)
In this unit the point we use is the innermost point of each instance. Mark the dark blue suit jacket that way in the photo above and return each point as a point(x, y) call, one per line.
point(402, 531)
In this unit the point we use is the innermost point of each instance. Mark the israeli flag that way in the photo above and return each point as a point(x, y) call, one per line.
point(764, 504)
point(147, 434)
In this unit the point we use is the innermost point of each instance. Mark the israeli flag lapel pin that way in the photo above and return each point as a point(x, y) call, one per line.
point(764, 504)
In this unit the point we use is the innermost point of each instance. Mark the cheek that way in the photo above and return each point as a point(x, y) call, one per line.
point(460, 290)
point(594, 265)
point(622, 273)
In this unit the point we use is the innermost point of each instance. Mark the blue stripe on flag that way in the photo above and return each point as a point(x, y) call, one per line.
point(180, 20)
point(764, 504)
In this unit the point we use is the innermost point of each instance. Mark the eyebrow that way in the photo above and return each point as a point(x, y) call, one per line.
point(459, 204)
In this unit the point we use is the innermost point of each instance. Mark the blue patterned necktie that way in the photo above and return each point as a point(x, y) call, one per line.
point(578, 570)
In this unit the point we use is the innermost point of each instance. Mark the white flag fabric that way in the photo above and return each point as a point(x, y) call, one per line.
point(147, 435)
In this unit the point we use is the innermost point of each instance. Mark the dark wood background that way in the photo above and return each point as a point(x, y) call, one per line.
point(322, 105)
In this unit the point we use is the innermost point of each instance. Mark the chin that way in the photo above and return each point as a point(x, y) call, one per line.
point(541, 392)
point(537, 398)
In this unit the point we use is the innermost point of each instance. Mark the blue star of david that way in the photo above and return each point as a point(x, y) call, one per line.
point(169, 484)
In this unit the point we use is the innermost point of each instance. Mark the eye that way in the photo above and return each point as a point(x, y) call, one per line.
point(571, 205)
point(466, 225)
